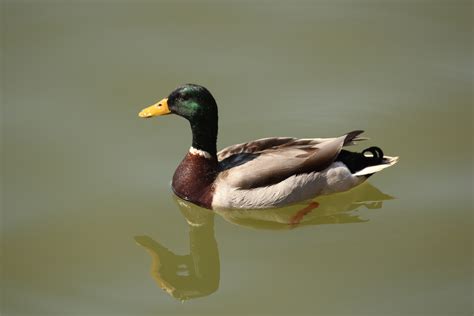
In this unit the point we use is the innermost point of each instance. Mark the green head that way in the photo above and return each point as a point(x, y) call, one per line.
point(193, 102)
point(196, 104)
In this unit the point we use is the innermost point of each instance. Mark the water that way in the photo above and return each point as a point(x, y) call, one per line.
point(87, 209)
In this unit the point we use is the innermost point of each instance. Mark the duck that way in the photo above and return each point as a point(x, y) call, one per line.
point(264, 173)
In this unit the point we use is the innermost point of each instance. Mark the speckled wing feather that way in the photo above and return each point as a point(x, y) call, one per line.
point(270, 160)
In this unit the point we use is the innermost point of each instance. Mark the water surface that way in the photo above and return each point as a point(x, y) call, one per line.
point(89, 225)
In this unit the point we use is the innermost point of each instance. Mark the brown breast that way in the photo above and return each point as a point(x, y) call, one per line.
point(193, 179)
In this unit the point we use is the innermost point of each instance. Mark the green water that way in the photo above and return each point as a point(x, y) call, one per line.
point(89, 226)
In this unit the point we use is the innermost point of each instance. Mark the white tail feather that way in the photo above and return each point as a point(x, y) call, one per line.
point(387, 162)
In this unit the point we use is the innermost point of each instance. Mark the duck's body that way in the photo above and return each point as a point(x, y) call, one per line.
point(270, 172)
point(265, 173)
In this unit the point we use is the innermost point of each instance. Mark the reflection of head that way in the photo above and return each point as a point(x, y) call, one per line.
point(187, 276)
point(336, 208)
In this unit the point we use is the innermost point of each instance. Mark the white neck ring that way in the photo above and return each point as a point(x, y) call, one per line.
point(202, 153)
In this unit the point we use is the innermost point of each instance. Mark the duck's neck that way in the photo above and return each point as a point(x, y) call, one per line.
point(205, 136)
point(193, 179)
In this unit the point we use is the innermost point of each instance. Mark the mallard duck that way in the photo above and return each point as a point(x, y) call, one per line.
point(264, 173)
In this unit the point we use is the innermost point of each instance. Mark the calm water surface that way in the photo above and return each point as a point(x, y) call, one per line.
point(89, 225)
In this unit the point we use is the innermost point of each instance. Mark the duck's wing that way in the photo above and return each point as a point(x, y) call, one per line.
point(276, 142)
point(270, 160)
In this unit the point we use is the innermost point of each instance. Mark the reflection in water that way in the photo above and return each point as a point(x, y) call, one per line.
point(197, 274)
point(187, 276)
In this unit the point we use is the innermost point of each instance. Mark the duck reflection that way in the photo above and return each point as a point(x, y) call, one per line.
point(197, 274)
point(187, 276)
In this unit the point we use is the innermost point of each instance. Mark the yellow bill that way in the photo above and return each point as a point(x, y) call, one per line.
point(160, 108)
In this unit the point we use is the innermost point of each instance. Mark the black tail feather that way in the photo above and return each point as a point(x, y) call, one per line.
point(375, 151)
